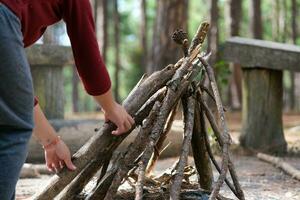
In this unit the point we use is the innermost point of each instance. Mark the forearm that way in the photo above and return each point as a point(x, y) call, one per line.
point(42, 131)
point(106, 101)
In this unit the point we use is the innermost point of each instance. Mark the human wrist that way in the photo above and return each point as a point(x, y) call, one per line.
point(51, 143)
point(106, 101)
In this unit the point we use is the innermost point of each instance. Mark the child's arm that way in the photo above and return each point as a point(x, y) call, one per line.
point(57, 153)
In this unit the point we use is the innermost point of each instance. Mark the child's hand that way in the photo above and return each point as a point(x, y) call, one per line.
point(119, 116)
point(57, 156)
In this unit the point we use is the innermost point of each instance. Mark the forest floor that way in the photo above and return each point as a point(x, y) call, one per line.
point(259, 180)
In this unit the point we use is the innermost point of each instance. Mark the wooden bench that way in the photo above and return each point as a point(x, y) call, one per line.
point(46, 62)
point(262, 64)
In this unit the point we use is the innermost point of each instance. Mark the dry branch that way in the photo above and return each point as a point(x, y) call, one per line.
point(239, 192)
point(225, 136)
point(279, 163)
point(201, 156)
point(139, 183)
point(189, 109)
point(160, 142)
point(134, 151)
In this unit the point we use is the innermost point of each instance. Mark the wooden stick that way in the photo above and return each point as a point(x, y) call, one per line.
point(139, 184)
point(161, 141)
point(212, 158)
point(200, 154)
point(81, 180)
point(134, 151)
point(279, 163)
point(217, 132)
point(189, 109)
point(225, 136)
point(199, 37)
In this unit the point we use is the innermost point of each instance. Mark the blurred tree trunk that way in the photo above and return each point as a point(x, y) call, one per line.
point(256, 19)
point(294, 37)
point(213, 37)
point(75, 93)
point(275, 19)
point(170, 15)
point(100, 13)
point(283, 21)
point(143, 35)
point(235, 9)
point(116, 17)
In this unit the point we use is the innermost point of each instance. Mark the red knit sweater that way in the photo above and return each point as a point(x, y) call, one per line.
point(36, 15)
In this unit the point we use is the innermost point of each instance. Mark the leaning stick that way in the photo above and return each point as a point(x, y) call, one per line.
point(212, 158)
point(189, 109)
point(134, 151)
point(217, 132)
point(279, 163)
point(160, 142)
point(201, 157)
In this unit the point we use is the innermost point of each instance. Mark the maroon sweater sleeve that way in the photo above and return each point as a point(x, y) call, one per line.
point(81, 30)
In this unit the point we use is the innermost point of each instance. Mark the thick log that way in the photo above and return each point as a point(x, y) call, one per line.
point(104, 142)
point(279, 163)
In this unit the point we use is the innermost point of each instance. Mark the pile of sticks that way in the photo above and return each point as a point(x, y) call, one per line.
point(153, 103)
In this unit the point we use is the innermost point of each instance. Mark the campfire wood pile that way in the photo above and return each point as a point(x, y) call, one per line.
point(153, 103)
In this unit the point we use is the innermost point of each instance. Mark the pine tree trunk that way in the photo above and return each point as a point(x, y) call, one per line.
point(256, 19)
point(171, 15)
point(213, 37)
point(143, 35)
point(294, 36)
point(100, 10)
point(116, 17)
point(235, 19)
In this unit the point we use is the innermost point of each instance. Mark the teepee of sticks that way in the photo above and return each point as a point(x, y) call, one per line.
point(153, 104)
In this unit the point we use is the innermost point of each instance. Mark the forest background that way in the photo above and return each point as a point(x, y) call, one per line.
point(135, 38)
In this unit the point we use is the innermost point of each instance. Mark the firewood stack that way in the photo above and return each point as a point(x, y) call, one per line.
point(153, 103)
